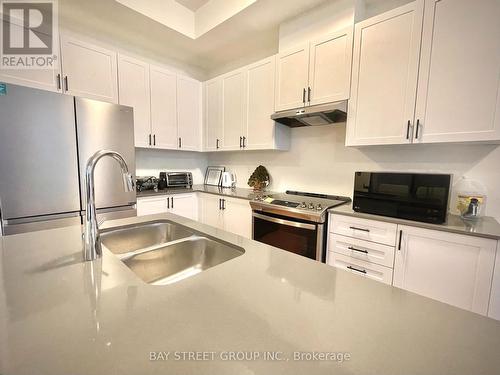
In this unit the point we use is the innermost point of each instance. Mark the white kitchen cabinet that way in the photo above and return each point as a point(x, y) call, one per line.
point(260, 131)
point(163, 108)
point(459, 88)
point(452, 268)
point(210, 208)
point(292, 78)
point(134, 91)
point(330, 67)
point(188, 113)
point(384, 77)
point(361, 268)
point(233, 109)
point(185, 205)
point(363, 229)
point(44, 79)
point(231, 214)
point(494, 308)
point(151, 205)
point(89, 71)
point(237, 215)
point(213, 114)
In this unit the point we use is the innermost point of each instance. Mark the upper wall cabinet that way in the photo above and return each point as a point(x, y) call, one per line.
point(238, 109)
point(450, 52)
point(260, 131)
point(167, 106)
point(188, 113)
point(44, 79)
point(233, 109)
point(89, 71)
point(163, 108)
point(133, 77)
point(330, 68)
point(315, 73)
point(213, 114)
point(384, 77)
point(458, 95)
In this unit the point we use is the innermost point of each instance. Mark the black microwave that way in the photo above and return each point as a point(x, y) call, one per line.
point(410, 196)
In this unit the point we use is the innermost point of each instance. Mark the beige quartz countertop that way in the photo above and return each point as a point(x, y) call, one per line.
point(61, 315)
point(486, 227)
point(241, 193)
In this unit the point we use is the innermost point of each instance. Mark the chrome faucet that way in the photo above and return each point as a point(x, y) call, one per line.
point(92, 246)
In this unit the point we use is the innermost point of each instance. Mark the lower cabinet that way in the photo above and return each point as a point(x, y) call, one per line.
point(230, 214)
point(180, 204)
point(452, 268)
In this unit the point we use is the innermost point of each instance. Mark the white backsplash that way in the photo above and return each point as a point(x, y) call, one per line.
point(319, 162)
point(151, 162)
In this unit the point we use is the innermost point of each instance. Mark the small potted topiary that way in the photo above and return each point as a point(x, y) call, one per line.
point(259, 179)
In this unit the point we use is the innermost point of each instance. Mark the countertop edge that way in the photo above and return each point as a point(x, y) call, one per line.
point(469, 229)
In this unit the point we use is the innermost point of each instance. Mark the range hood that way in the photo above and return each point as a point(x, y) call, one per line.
point(322, 114)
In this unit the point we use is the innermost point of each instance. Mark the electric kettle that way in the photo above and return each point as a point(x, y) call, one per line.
point(228, 179)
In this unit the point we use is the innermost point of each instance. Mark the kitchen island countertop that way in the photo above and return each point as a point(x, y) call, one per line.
point(61, 315)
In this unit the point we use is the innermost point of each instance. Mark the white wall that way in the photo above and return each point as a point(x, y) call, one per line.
point(152, 162)
point(319, 162)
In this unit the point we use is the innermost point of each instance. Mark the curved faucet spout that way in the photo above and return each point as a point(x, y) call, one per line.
point(92, 247)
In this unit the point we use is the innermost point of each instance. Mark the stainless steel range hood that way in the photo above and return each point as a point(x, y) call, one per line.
point(322, 114)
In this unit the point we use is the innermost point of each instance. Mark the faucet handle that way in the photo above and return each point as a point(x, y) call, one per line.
point(128, 182)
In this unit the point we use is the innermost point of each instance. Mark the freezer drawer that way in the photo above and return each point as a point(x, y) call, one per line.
point(38, 157)
point(105, 126)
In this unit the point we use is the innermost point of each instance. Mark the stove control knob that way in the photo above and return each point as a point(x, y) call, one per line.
point(319, 207)
point(311, 206)
point(303, 205)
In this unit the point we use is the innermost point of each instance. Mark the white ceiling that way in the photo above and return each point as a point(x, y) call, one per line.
point(248, 36)
point(192, 5)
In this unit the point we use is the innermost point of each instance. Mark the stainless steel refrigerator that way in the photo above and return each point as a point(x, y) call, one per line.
point(45, 141)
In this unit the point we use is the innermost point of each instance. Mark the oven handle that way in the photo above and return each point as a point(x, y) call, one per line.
point(285, 222)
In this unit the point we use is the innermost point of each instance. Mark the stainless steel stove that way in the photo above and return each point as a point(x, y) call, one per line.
point(294, 221)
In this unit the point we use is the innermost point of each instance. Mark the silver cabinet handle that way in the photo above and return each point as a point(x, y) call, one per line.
point(284, 222)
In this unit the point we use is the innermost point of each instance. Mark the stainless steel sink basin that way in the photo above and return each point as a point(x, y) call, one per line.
point(142, 235)
point(179, 260)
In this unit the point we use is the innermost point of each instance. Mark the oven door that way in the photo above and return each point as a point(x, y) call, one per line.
point(302, 238)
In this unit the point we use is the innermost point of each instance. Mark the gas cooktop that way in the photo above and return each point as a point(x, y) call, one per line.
point(301, 205)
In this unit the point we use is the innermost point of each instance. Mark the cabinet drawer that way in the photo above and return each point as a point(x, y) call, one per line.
point(363, 250)
point(364, 229)
point(359, 267)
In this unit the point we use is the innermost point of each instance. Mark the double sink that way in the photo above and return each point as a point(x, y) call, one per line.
point(162, 252)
